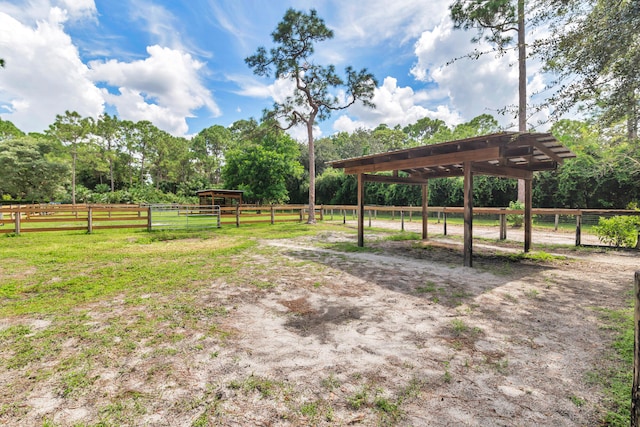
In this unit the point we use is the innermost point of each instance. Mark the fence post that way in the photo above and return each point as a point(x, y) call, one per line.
point(635, 392)
point(369, 218)
point(89, 219)
point(238, 215)
point(344, 216)
point(503, 225)
point(149, 222)
point(578, 229)
point(444, 218)
point(331, 214)
point(401, 220)
point(218, 214)
point(556, 222)
point(17, 221)
point(273, 215)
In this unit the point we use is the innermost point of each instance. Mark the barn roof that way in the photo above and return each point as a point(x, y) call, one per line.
point(508, 154)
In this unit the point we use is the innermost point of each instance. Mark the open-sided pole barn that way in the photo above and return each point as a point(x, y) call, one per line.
point(505, 154)
point(220, 197)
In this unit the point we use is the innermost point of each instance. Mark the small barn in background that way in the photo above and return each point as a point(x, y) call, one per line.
point(222, 198)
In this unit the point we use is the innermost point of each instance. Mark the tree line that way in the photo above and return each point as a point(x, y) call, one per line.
point(109, 160)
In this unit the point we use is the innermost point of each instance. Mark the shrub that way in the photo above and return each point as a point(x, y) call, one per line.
point(516, 220)
point(618, 230)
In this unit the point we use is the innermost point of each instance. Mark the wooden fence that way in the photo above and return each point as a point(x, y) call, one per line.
point(51, 217)
point(580, 220)
point(40, 218)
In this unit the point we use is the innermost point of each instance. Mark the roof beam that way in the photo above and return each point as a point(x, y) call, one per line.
point(483, 154)
point(386, 179)
point(548, 151)
point(501, 171)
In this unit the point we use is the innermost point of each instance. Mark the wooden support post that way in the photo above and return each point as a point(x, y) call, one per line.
point(369, 218)
point(17, 219)
point(635, 390)
point(425, 214)
point(344, 216)
point(528, 220)
point(360, 210)
point(401, 220)
point(273, 215)
point(331, 214)
point(556, 222)
point(89, 220)
point(410, 214)
point(322, 213)
point(238, 215)
point(444, 220)
point(149, 223)
point(468, 215)
point(503, 225)
point(578, 230)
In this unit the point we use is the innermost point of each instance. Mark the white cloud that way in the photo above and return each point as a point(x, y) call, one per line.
point(374, 21)
point(29, 12)
point(164, 88)
point(79, 9)
point(131, 105)
point(394, 106)
point(44, 75)
point(158, 21)
point(472, 86)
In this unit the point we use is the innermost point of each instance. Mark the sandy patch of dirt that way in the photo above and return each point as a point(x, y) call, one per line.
point(403, 335)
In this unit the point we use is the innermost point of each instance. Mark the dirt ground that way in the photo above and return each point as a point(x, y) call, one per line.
point(400, 334)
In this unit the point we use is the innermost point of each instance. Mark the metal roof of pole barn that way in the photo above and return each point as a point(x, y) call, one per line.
point(507, 154)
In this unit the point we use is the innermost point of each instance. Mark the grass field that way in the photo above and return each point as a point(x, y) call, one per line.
point(74, 305)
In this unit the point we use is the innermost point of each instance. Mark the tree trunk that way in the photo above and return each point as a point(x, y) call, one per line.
point(312, 173)
point(74, 156)
point(113, 186)
point(522, 85)
point(632, 118)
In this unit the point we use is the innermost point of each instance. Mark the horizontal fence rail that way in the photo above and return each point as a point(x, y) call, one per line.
point(40, 218)
point(571, 225)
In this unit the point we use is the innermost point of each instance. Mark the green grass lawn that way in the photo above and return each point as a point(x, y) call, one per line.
point(71, 281)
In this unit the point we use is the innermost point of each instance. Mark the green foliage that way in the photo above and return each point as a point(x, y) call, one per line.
point(497, 17)
point(618, 230)
point(516, 220)
point(207, 151)
point(261, 167)
point(71, 130)
point(30, 169)
point(596, 60)
point(125, 162)
point(8, 130)
point(313, 98)
point(616, 376)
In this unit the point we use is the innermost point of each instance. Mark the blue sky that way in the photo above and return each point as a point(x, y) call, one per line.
point(180, 64)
